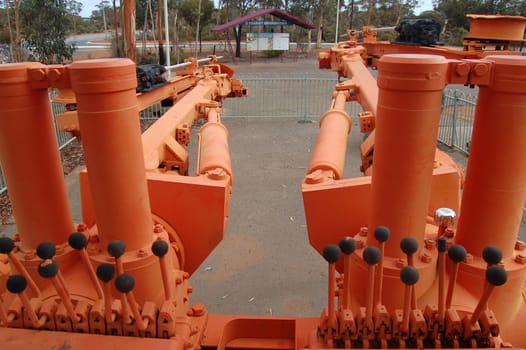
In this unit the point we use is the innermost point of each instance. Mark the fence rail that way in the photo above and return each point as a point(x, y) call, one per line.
point(305, 97)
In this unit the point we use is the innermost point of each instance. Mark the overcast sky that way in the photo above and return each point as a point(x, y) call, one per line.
point(90, 5)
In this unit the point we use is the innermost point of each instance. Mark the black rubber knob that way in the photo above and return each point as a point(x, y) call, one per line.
point(496, 275)
point(492, 255)
point(442, 244)
point(382, 233)
point(48, 269)
point(16, 284)
point(6, 245)
point(105, 272)
point(372, 255)
point(116, 248)
point(409, 245)
point(347, 245)
point(457, 253)
point(46, 250)
point(77, 240)
point(331, 253)
point(124, 283)
point(160, 248)
point(409, 275)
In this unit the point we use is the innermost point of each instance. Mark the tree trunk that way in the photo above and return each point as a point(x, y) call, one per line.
point(237, 35)
point(18, 41)
point(320, 32)
point(11, 40)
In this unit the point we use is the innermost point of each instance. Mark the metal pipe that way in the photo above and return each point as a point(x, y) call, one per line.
point(406, 127)
point(184, 64)
point(331, 145)
point(494, 194)
point(30, 158)
point(111, 136)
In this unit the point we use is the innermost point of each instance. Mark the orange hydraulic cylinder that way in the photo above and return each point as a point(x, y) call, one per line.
point(111, 136)
point(36, 183)
point(213, 146)
point(495, 187)
point(331, 145)
point(406, 129)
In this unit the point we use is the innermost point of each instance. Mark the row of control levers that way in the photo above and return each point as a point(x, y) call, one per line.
point(435, 326)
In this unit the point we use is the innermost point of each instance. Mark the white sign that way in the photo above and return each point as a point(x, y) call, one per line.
point(267, 41)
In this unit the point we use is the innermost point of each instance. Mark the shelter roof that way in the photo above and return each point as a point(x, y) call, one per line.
point(272, 11)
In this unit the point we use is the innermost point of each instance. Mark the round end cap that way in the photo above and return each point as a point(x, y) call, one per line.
point(16, 284)
point(492, 255)
point(457, 253)
point(105, 272)
point(409, 275)
point(46, 250)
point(77, 240)
point(331, 253)
point(116, 248)
point(347, 245)
point(409, 245)
point(496, 275)
point(382, 233)
point(372, 255)
point(125, 283)
point(160, 248)
point(48, 268)
point(6, 245)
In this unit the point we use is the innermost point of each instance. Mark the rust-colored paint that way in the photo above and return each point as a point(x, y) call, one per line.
point(30, 158)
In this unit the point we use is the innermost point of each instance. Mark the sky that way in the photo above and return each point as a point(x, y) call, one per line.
point(90, 5)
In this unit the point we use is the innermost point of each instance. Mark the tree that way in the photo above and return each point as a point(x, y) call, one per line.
point(45, 24)
point(237, 8)
point(197, 13)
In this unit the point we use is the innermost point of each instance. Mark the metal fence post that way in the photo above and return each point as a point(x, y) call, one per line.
point(455, 116)
point(305, 98)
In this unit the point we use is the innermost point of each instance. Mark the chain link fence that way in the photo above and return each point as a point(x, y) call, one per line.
point(305, 98)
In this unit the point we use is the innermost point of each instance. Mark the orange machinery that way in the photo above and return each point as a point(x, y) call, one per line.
point(120, 278)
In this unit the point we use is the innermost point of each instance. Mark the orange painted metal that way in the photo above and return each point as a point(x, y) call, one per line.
point(137, 190)
point(492, 216)
point(119, 192)
point(39, 196)
point(496, 27)
point(411, 110)
point(329, 153)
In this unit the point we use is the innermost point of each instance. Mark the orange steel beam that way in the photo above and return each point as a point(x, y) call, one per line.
point(39, 198)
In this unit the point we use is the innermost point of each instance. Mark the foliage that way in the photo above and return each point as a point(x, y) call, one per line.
point(45, 24)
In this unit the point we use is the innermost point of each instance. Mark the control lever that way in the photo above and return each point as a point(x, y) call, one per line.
point(160, 249)
point(6, 247)
point(116, 249)
point(372, 257)
point(125, 284)
point(105, 273)
point(78, 241)
point(382, 234)
point(49, 269)
point(17, 284)
point(409, 246)
point(442, 249)
point(331, 253)
point(457, 254)
point(409, 276)
point(495, 276)
point(48, 250)
point(347, 246)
